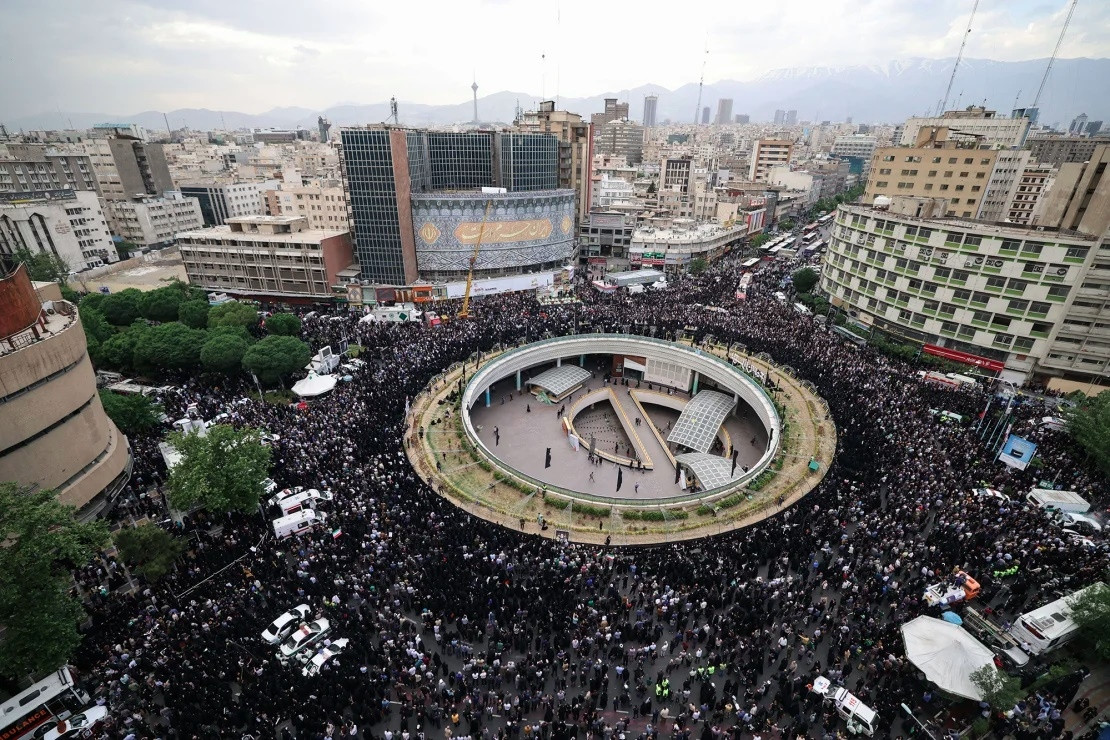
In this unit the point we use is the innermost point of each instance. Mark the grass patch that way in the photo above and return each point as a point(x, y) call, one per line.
point(654, 515)
point(759, 482)
point(584, 509)
point(279, 398)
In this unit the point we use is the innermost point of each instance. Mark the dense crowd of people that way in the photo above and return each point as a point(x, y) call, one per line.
point(461, 628)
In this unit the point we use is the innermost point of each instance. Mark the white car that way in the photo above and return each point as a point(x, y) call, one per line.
point(315, 664)
point(268, 485)
point(1077, 538)
point(991, 493)
point(77, 724)
point(285, 493)
point(305, 635)
point(280, 628)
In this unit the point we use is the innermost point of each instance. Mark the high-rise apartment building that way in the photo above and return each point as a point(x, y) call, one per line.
point(127, 167)
point(974, 122)
point(1080, 196)
point(743, 118)
point(1078, 125)
point(574, 147)
point(26, 168)
point(724, 111)
point(323, 203)
point(151, 221)
point(705, 114)
point(858, 149)
point(780, 117)
point(651, 103)
point(1028, 202)
point(614, 111)
point(417, 201)
point(1093, 128)
point(68, 224)
point(1057, 150)
point(791, 117)
point(768, 153)
point(1002, 184)
point(621, 138)
point(220, 201)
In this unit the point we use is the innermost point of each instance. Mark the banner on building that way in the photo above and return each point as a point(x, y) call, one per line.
point(1017, 452)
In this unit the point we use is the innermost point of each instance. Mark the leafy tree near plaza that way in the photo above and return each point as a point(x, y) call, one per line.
point(42, 544)
point(698, 266)
point(232, 313)
point(193, 313)
point(284, 324)
point(44, 267)
point(223, 352)
point(92, 302)
point(275, 357)
point(132, 414)
point(805, 279)
point(69, 293)
point(171, 346)
point(221, 471)
point(786, 224)
point(121, 309)
point(759, 240)
point(1089, 425)
point(161, 304)
point(95, 325)
point(1091, 611)
point(148, 549)
point(118, 351)
point(125, 248)
point(998, 689)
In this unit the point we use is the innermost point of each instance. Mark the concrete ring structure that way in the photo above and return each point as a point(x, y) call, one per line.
point(704, 365)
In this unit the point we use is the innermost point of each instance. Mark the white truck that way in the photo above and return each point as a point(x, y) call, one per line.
point(298, 523)
point(303, 500)
point(861, 718)
point(1047, 498)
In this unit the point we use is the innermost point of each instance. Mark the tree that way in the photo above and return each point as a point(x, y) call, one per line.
point(69, 294)
point(130, 413)
point(118, 351)
point(223, 352)
point(193, 314)
point(42, 544)
point(1089, 425)
point(125, 248)
point(998, 689)
point(1091, 611)
point(45, 267)
point(786, 224)
point(161, 304)
point(805, 279)
point(275, 357)
point(759, 240)
point(171, 346)
point(221, 471)
point(122, 308)
point(698, 265)
point(92, 302)
point(95, 326)
point(149, 550)
point(284, 324)
point(232, 313)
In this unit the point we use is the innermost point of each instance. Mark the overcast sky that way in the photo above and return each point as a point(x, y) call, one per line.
point(126, 56)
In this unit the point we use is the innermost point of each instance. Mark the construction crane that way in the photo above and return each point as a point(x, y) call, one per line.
point(959, 58)
point(464, 312)
point(1055, 52)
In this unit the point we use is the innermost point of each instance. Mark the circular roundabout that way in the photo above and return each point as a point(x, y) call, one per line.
point(620, 438)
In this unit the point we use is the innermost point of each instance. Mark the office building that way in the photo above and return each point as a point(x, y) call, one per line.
point(1028, 203)
point(275, 257)
point(674, 247)
point(127, 166)
point(574, 148)
point(705, 115)
point(858, 147)
point(149, 221)
point(651, 104)
point(1057, 150)
point(976, 122)
point(1078, 125)
point(323, 203)
point(724, 111)
point(614, 111)
point(999, 293)
point(1080, 195)
point(1093, 128)
point(780, 117)
point(675, 194)
point(28, 168)
point(416, 203)
point(791, 117)
point(1002, 184)
point(743, 118)
point(603, 235)
point(220, 201)
point(935, 167)
point(768, 153)
point(55, 433)
point(68, 224)
point(621, 138)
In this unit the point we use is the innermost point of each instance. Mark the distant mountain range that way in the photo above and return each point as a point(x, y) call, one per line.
point(869, 94)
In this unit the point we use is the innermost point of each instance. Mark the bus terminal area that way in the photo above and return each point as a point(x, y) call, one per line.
point(459, 624)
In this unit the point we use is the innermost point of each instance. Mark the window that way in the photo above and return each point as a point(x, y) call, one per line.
point(881, 184)
point(983, 317)
point(968, 160)
point(936, 160)
point(932, 306)
point(1059, 291)
point(955, 201)
point(888, 158)
point(1032, 248)
point(944, 186)
point(932, 173)
point(948, 173)
point(1017, 305)
point(928, 186)
point(1078, 252)
point(963, 275)
point(1000, 322)
point(966, 332)
point(1023, 344)
point(1039, 307)
point(942, 273)
point(985, 160)
point(961, 295)
point(1017, 286)
point(951, 160)
point(963, 175)
point(959, 188)
point(884, 171)
point(980, 298)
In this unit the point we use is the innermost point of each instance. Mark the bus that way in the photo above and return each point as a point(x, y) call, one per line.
point(788, 243)
point(826, 218)
point(749, 264)
point(50, 700)
point(1050, 626)
point(807, 238)
point(768, 246)
point(810, 227)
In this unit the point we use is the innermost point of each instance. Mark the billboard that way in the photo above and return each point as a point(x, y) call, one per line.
point(1017, 452)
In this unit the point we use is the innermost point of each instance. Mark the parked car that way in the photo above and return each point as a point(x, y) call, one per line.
point(305, 635)
point(77, 724)
point(280, 628)
point(316, 663)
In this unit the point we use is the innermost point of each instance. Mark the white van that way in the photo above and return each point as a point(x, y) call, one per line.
point(298, 523)
point(861, 718)
point(634, 289)
point(1055, 423)
point(963, 379)
point(301, 501)
point(1047, 498)
point(802, 309)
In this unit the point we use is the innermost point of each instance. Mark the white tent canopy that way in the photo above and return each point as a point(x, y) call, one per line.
point(314, 385)
point(946, 654)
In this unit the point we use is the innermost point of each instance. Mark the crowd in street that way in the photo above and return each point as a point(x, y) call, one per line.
point(460, 628)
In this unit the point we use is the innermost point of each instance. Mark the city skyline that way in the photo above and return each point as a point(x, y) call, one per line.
point(147, 54)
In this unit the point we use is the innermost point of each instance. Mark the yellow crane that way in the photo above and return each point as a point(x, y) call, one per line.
point(464, 312)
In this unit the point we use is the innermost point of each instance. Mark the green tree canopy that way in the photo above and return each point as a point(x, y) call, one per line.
point(148, 549)
point(42, 544)
point(786, 224)
point(118, 351)
point(69, 294)
point(221, 471)
point(171, 346)
point(161, 304)
point(275, 357)
point(1089, 425)
point(92, 302)
point(95, 326)
point(698, 266)
point(43, 266)
point(999, 690)
point(130, 413)
point(122, 308)
point(223, 352)
point(193, 314)
point(1091, 611)
point(805, 279)
point(284, 324)
point(232, 313)
point(759, 240)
